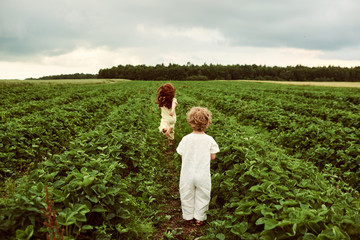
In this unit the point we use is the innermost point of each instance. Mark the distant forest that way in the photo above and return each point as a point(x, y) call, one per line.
point(69, 76)
point(221, 72)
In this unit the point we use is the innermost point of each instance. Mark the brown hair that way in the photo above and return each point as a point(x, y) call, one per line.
point(165, 94)
point(199, 118)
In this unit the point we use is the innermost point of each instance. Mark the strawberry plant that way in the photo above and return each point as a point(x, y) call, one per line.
point(300, 119)
point(287, 169)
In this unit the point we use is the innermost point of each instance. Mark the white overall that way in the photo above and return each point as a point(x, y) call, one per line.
point(195, 179)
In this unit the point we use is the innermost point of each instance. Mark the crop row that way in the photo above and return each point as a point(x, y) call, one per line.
point(37, 106)
point(328, 105)
point(107, 182)
point(259, 192)
point(328, 143)
point(103, 185)
point(36, 135)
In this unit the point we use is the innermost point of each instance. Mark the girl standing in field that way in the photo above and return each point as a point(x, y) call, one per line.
point(167, 102)
point(197, 149)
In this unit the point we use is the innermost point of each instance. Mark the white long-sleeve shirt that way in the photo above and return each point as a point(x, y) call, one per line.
point(195, 150)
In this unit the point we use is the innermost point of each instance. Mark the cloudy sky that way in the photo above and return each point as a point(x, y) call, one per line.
point(50, 37)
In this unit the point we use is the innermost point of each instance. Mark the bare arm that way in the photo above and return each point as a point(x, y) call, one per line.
point(173, 108)
point(212, 156)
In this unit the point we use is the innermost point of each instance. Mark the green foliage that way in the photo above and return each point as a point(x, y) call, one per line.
point(45, 124)
point(231, 72)
point(104, 177)
point(260, 192)
point(288, 166)
point(197, 78)
point(71, 76)
point(314, 124)
point(25, 234)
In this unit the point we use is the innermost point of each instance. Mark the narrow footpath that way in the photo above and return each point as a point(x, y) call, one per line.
point(175, 227)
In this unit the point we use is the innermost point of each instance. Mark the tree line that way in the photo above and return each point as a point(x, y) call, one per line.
point(231, 72)
point(67, 76)
point(221, 72)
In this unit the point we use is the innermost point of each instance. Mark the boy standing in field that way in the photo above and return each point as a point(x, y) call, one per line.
point(167, 102)
point(197, 149)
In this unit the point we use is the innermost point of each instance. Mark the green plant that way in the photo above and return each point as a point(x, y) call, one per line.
point(287, 166)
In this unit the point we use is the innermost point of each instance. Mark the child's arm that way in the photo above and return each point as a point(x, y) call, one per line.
point(212, 156)
point(173, 105)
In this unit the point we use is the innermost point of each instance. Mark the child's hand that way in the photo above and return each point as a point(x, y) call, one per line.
point(171, 113)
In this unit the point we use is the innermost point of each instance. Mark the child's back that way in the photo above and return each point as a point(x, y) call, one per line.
point(197, 149)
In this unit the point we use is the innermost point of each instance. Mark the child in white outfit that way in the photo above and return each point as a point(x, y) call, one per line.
point(167, 102)
point(197, 149)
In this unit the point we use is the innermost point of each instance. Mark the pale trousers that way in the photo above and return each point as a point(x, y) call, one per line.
point(195, 198)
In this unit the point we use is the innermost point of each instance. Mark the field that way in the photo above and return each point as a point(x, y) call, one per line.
point(323, 84)
point(288, 166)
point(12, 83)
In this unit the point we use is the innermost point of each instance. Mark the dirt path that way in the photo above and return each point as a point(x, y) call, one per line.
point(175, 227)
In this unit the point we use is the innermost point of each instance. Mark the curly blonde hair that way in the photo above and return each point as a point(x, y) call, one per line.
point(199, 118)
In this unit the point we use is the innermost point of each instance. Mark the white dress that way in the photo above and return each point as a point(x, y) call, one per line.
point(195, 180)
point(167, 120)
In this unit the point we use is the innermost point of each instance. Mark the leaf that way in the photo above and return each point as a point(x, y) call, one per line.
point(220, 236)
point(357, 219)
point(289, 202)
point(86, 227)
point(260, 221)
point(80, 217)
point(50, 176)
point(270, 224)
point(110, 216)
point(93, 199)
point(256, 188)
point(27, 234)
point(59, 196)
point(278, 207)
point(309, 236)
point(82, 208)
point(123, 213)
point(78, 175)
point(244, 209)
point(71, 215)
point(240, 228)
point(88, 180)
point(40, 187)
point(121, 229)
point(313, 226)
point(65, 217)
point(98, 208)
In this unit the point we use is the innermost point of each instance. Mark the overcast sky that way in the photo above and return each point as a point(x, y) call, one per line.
point(50, 37)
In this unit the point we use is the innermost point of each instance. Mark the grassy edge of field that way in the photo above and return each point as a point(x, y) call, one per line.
point(317, 84)
point(16, 82)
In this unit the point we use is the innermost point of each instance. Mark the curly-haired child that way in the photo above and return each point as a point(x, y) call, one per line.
point(167, 102)
point(197, 149)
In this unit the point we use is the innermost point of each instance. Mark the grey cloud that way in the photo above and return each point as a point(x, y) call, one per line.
point(304, 24)
point(52, 27)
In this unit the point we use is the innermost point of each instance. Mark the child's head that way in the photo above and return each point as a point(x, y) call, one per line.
point(199, 118)
point(165, 94)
